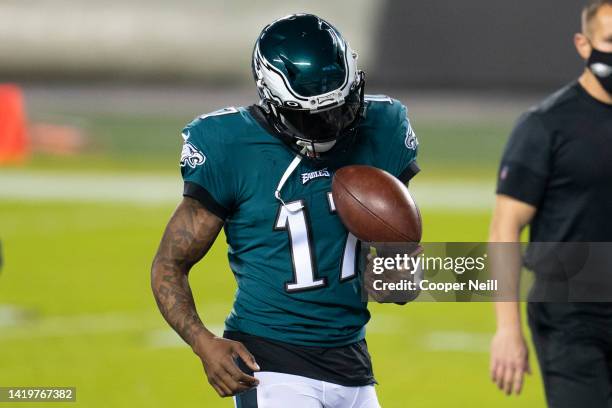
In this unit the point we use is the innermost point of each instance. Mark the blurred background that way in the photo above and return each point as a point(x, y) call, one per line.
point(93, 95)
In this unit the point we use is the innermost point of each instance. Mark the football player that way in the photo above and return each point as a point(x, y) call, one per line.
point(296, 334)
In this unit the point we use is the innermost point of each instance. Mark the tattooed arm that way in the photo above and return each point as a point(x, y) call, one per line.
point(191, 231)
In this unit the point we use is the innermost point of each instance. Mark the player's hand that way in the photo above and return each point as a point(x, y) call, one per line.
point(509, 360)
point(219, 356)
point(392, 276)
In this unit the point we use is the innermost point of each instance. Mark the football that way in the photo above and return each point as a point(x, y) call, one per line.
point(375, 206)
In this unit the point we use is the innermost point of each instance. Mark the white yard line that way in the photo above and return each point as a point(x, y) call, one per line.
point(161, 190)
point(167, 338)
point(18, 323)
point(457, 341)
point(459, 195)
point(103, 187)
point(69, 326)
point(23, 324)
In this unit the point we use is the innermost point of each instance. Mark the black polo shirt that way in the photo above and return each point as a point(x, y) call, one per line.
point(559, 159)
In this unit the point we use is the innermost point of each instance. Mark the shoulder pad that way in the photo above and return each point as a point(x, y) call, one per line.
point(384, 111)
point(378, 98)
point(219, 121)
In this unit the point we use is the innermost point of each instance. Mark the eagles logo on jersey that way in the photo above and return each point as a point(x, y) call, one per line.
point(190, 156)
point(411, 141)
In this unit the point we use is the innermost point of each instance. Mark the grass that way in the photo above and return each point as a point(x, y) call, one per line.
point(79, 274)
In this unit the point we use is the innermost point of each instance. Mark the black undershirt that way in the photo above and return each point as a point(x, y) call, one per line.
point(349, 366)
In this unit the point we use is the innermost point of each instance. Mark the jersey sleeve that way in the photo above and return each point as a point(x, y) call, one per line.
point(204, 167)
point(402, 148)
point(525, 164)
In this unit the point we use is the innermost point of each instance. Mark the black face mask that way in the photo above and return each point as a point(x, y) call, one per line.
point(600, 64)
point(325, 125)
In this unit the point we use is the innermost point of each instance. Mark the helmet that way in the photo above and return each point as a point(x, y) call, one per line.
point(308, 83)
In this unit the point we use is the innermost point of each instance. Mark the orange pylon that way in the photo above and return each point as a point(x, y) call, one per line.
point(14, 146)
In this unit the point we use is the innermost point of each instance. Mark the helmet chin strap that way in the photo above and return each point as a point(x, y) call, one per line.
point(292, 166)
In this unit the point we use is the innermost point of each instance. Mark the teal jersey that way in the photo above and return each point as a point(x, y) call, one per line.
point(295, 264)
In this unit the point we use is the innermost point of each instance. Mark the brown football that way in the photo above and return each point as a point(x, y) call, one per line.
point(375, 206)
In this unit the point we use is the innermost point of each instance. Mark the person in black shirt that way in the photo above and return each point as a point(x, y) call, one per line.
point(556, 177)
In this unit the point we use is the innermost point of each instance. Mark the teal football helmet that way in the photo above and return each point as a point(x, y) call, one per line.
point(308, 82)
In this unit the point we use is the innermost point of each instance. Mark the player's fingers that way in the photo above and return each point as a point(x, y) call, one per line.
point(227, 391)
point(239, 375)
point(246, 356)
point(219, 390)
point(238, 386)
point(232, 385)
point(215, 378)
point(216, 382)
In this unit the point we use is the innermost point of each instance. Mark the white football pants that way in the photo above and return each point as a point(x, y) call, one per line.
point(278, 390)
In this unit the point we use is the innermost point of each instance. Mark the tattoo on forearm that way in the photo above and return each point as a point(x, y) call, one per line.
point(188, 236)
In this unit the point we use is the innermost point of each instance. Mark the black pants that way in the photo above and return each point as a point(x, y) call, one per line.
point(573, 342)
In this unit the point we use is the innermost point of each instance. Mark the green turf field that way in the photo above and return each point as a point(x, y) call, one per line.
point(76, 308)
